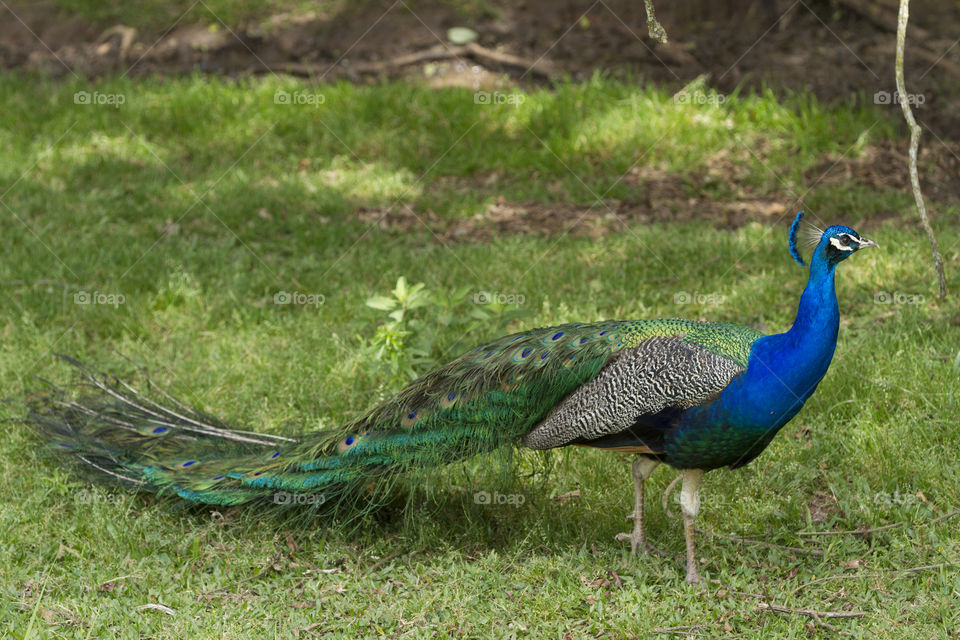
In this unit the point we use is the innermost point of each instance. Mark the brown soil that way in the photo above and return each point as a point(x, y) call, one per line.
point(674, 197)
point(816, 45)
point(822, 507)
point(812, 45)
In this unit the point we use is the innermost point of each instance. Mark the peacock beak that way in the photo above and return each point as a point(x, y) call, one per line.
point(864, 243)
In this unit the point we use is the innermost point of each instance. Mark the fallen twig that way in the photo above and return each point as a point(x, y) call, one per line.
point(157, 607)
point(750, 541)
point(685, 630)
point(816, 615)
point(810, 612)
point(860, 532)
point(928, 567)
point(438, 52)
point(945, 516)
point(865, 532)
point(847, 576)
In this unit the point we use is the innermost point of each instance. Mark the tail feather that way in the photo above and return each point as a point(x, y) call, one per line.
point(483, 400)
point(114, 429)
point(158, 444)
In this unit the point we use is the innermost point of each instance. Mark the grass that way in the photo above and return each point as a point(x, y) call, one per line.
point(156, 16)
point(104, 201)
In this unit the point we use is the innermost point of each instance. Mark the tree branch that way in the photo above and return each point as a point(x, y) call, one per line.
point(654, 28)
point(914, 143)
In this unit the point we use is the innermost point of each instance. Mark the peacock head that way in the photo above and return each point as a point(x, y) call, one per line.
point(834, 244)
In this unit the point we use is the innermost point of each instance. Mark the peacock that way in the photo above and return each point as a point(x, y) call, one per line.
point(694, 395)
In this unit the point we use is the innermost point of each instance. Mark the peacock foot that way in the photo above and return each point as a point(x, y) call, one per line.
point(638, 539)
point(642, 545)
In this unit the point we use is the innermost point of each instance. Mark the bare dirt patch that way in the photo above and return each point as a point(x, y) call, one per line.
point(667, 197)
point(824, 47)
point(823, 506)
point(884, 167)
point(597, 219)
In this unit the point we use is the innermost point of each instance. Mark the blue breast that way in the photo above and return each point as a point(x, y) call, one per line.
point(782, 372)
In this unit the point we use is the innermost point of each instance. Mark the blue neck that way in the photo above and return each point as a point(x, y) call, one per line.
point(784, 369)
point(782, 372)
point(818, 316)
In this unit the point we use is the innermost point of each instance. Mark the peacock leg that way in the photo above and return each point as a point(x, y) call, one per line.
point(690, 504)
point(642, 469)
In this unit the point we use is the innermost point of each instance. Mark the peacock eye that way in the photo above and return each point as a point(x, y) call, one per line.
point(847, 241)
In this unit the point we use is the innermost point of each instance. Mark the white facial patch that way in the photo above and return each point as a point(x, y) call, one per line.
point(836, 244)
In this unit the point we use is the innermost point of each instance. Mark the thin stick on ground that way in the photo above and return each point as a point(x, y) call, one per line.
point(810, 612)
point(864, 576)
point(914, 143)
point(866, 532)
point(761, 543)
point(686, 630)
point(945, 516)
point(816, 615)
point(438, 52)
point(852, 532)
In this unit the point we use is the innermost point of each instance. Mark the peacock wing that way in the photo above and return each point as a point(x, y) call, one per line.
point(641, 392)
point(552, 385)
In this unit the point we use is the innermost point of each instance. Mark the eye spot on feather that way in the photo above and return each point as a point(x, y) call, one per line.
point(275, 454)
point(220, 477)
point(557, 336)
point(526, 352)
point(346, 443)
point(488, 355)
point(160, 430)
point(583, 340)
point(188, 463)
point(602, 333)
point(448, 399)
point(410, 419)
point(544, 356)
point(517, 338)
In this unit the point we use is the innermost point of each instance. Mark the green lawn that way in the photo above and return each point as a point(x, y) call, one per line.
point(183, 212)
point(156, 16)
